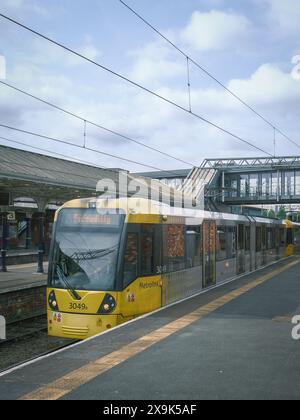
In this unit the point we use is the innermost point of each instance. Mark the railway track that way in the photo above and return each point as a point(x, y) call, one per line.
point(27, 340)
point(25, 328)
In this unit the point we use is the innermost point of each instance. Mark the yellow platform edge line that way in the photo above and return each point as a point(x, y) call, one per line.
point(73, 380)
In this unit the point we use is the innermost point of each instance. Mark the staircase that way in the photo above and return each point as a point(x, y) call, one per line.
point(198, 181)
point(22, 227)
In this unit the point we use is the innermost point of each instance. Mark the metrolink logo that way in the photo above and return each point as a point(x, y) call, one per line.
point(2, 67)
point(2, 328)
point(296, 329)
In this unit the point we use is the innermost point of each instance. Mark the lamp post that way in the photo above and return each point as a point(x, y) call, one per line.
point(28, 232)
point(5, 238)
point(41, 248)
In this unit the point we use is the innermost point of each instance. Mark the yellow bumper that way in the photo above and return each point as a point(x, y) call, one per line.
point(77, 326)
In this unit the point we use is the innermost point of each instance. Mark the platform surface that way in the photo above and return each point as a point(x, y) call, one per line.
point(19, 277)
point(232, 342)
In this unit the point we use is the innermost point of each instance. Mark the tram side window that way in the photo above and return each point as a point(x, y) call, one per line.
point(193, 247)
point(270, 238)
point(290, 237)
point(258, 239)
point(247, 238)
point(232, 242)
point(282, 237)
point(174, 248)
point(147, 254)
point(297, 237)
point(264, 237)
point(277, 237)
point(221, 243)
point(241, 239)
point(131, 259)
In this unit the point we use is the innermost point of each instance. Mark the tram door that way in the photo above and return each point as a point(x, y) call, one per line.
point(209, 253)
point(241, 263)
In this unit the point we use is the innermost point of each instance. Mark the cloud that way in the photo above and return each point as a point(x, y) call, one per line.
point(156, 62)
point(49, 55)
point(53, 74)
point(13, 4)
point(215, 30)
point(144, 118)
point(90, 51)
point(21, 6)
point(269, 84)
point(286, 14)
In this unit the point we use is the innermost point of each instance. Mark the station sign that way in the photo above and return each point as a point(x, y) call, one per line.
point(11, 216)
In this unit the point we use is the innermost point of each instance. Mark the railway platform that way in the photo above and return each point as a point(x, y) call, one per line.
point(22, 293)
point(21, 276)
point(231, 342)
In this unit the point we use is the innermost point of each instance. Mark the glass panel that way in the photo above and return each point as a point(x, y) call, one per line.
point(85, 252)
point(221, 243)
point(209, 252)
point(270, 238)
point(289, 237)
point(232, 183)
point(147, 258)
point(232, 243)
point(297, 183)
point(131, 259)
point(258, 239)
point(241, 238)
point(289, 183)
point(254, 185)
point(274, 184)
point(174, 247)
point(247, 238)
point(266, 184)
point(234, 186)
point(282, 237)
point(244, 186)
point(193, 246)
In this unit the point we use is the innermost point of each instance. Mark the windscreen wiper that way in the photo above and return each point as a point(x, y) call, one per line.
point(91, 254)
point(63, 278)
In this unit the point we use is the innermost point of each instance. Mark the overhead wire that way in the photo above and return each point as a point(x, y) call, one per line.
point(133, 83)
point(209, 74)
point(87, 121)
point(31, 133)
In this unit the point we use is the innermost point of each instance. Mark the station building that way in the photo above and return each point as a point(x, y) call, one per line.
point(32, 187)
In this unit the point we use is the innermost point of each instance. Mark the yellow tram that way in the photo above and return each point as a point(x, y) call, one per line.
point(114, 260)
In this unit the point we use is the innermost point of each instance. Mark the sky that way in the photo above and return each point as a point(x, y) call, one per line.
point(248, 45)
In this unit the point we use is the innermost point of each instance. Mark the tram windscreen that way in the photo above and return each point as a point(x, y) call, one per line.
point(85, 250)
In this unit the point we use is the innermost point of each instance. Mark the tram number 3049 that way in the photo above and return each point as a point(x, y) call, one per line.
point(78, 306)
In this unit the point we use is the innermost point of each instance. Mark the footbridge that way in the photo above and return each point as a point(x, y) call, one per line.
point(246, 181)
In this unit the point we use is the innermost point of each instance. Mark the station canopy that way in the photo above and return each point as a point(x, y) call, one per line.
point(32, 178)
point(46, 179)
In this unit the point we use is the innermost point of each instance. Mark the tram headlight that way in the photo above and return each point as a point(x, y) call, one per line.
point(52, 301)
point(108, 305)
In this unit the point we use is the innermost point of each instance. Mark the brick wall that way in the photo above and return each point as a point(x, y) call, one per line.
point(22, 304)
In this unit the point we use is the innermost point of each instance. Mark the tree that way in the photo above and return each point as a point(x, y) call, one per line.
point(282, 213)
point(271, 214)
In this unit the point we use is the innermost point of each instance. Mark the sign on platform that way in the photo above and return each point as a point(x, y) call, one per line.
point(11, 216)
point(2, 328)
